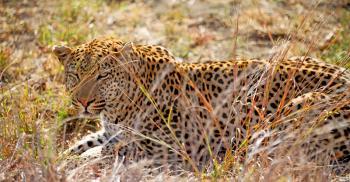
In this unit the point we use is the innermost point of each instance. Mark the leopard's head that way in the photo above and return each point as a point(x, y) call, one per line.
point(89, 72)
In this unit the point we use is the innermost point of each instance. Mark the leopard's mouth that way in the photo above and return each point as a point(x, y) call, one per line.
point(90, 112)
point(94, 108)
point(87, 113)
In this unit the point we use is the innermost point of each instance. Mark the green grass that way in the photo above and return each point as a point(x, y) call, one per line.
point(49, 35)
point(4, 58)
point(72, 23)
point(339, 50)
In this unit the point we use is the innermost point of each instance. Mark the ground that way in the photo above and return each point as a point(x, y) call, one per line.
point(35, 118)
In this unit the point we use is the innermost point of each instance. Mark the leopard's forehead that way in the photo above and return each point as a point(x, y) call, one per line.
point(84, 57)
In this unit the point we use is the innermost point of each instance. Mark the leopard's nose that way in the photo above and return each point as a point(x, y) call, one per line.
point(85, 102)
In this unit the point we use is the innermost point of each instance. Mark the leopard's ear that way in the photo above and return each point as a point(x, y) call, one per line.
point(128, 47)
point(62, 53)
point(126, 54)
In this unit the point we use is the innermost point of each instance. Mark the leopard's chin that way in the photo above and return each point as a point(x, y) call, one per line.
point(90, 113)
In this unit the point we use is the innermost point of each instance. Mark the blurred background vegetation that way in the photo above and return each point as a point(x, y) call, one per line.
point(33, 101)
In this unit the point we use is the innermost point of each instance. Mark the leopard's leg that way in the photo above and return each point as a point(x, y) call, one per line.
point(283, 125)
point(330, 141)
point(285, 118)
point(93, 149)
point(315, 126)
point(72, 163)
point(305, 107)
point(92, 140)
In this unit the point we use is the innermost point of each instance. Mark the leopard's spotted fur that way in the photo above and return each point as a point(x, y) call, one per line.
point(182, 113)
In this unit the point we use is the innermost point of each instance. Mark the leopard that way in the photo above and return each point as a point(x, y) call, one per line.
point(187, 115)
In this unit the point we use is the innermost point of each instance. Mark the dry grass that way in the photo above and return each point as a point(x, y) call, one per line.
point(34, 108)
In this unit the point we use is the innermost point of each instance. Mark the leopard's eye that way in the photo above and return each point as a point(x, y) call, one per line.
point(72, 80)
point(103, 75)
point(70, 67)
